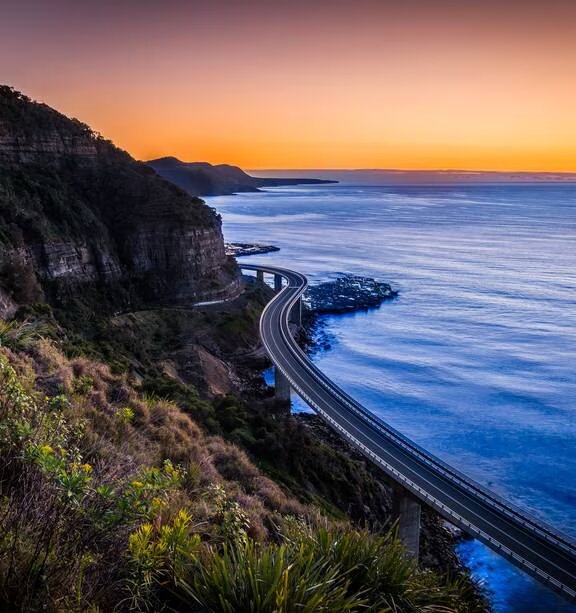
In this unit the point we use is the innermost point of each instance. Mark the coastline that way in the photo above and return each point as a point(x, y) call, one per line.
point(374, 508)
point(245, 249)
point(455, 287)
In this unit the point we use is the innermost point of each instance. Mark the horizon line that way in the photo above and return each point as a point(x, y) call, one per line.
point(399, 170)
point(364, 169)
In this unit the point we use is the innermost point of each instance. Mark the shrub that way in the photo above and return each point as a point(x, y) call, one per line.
point(232, 521)
point(324, 569)
point(19, 334)
point(18, 277)
point(82, 384)
point(157, 555)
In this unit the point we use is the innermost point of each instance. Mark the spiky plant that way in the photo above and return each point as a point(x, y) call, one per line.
point(16, 334)
point(321, 569)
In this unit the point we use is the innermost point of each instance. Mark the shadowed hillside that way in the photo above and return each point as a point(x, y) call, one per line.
point(203, 179)
point(77, 214)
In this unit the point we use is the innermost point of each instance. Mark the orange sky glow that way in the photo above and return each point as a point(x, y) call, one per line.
point(319, 84)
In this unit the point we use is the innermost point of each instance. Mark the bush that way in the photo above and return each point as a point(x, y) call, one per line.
point(92, 517)
point(19, 334)
point(82, 384)
point(323, 569)
point(157, 555)
point(19, 279)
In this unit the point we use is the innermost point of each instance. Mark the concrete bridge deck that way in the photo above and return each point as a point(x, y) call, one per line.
point(530, 544)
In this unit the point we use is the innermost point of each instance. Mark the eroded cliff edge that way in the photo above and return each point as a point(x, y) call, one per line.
point(77, 214)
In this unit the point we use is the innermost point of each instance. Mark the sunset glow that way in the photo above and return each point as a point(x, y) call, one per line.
point(415, 84)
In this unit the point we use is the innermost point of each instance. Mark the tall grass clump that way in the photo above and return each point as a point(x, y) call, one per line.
point(16, 334)
point(318, 569)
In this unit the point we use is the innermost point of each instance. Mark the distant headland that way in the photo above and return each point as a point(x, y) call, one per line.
point(204, 179)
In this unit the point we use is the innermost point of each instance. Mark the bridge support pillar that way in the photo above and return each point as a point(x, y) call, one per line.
point(260, 275)
point(281, 386)
point(296, 313)
point(277, 283)
point(407, 509)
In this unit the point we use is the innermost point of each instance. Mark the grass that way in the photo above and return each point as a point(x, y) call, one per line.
point(113, 501)
point(20, 334)
point(316, 569)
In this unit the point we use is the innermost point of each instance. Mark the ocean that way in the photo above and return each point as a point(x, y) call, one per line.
point(475, 359)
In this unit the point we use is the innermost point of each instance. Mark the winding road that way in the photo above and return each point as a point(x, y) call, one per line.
point(535, 547)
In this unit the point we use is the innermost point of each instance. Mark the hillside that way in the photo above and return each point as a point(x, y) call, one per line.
point(144, 463)
point(203, 179)
point(77, 213)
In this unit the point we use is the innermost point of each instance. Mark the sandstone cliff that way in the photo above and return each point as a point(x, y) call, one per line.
point(79, 215)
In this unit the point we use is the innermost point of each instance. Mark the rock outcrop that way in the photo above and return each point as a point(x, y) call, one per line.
point(243, 249)
point(346, 294)
point(77, 213)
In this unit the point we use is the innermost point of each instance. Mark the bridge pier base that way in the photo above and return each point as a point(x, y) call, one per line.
point(260, 275)
point(296, 313)
point(281, 386)
point(277, 283)
point(407, 510)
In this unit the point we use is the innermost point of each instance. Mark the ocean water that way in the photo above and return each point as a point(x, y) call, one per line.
point(475, 359)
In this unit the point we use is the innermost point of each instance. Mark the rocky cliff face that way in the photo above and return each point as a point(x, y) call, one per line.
point(78, 215)
point(25, 148)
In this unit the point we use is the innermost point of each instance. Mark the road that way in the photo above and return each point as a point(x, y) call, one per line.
point(532, 545)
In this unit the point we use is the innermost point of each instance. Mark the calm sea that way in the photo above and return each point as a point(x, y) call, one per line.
point(476, 358)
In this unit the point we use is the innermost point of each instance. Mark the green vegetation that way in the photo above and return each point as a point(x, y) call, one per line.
point(89, 229)
point(316, 569)
point(113, 499)
point(19, 334)
point(91, 189)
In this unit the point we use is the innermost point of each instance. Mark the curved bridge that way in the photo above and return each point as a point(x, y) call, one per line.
point(533, 546)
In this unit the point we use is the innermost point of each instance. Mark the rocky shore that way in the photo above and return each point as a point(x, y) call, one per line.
point(242, 249)
point(346, 294)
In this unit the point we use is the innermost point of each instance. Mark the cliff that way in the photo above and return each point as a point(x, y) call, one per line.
point(78, 214)
point(203, 179)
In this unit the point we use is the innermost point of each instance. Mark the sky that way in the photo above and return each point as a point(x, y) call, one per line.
point(472, 84)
